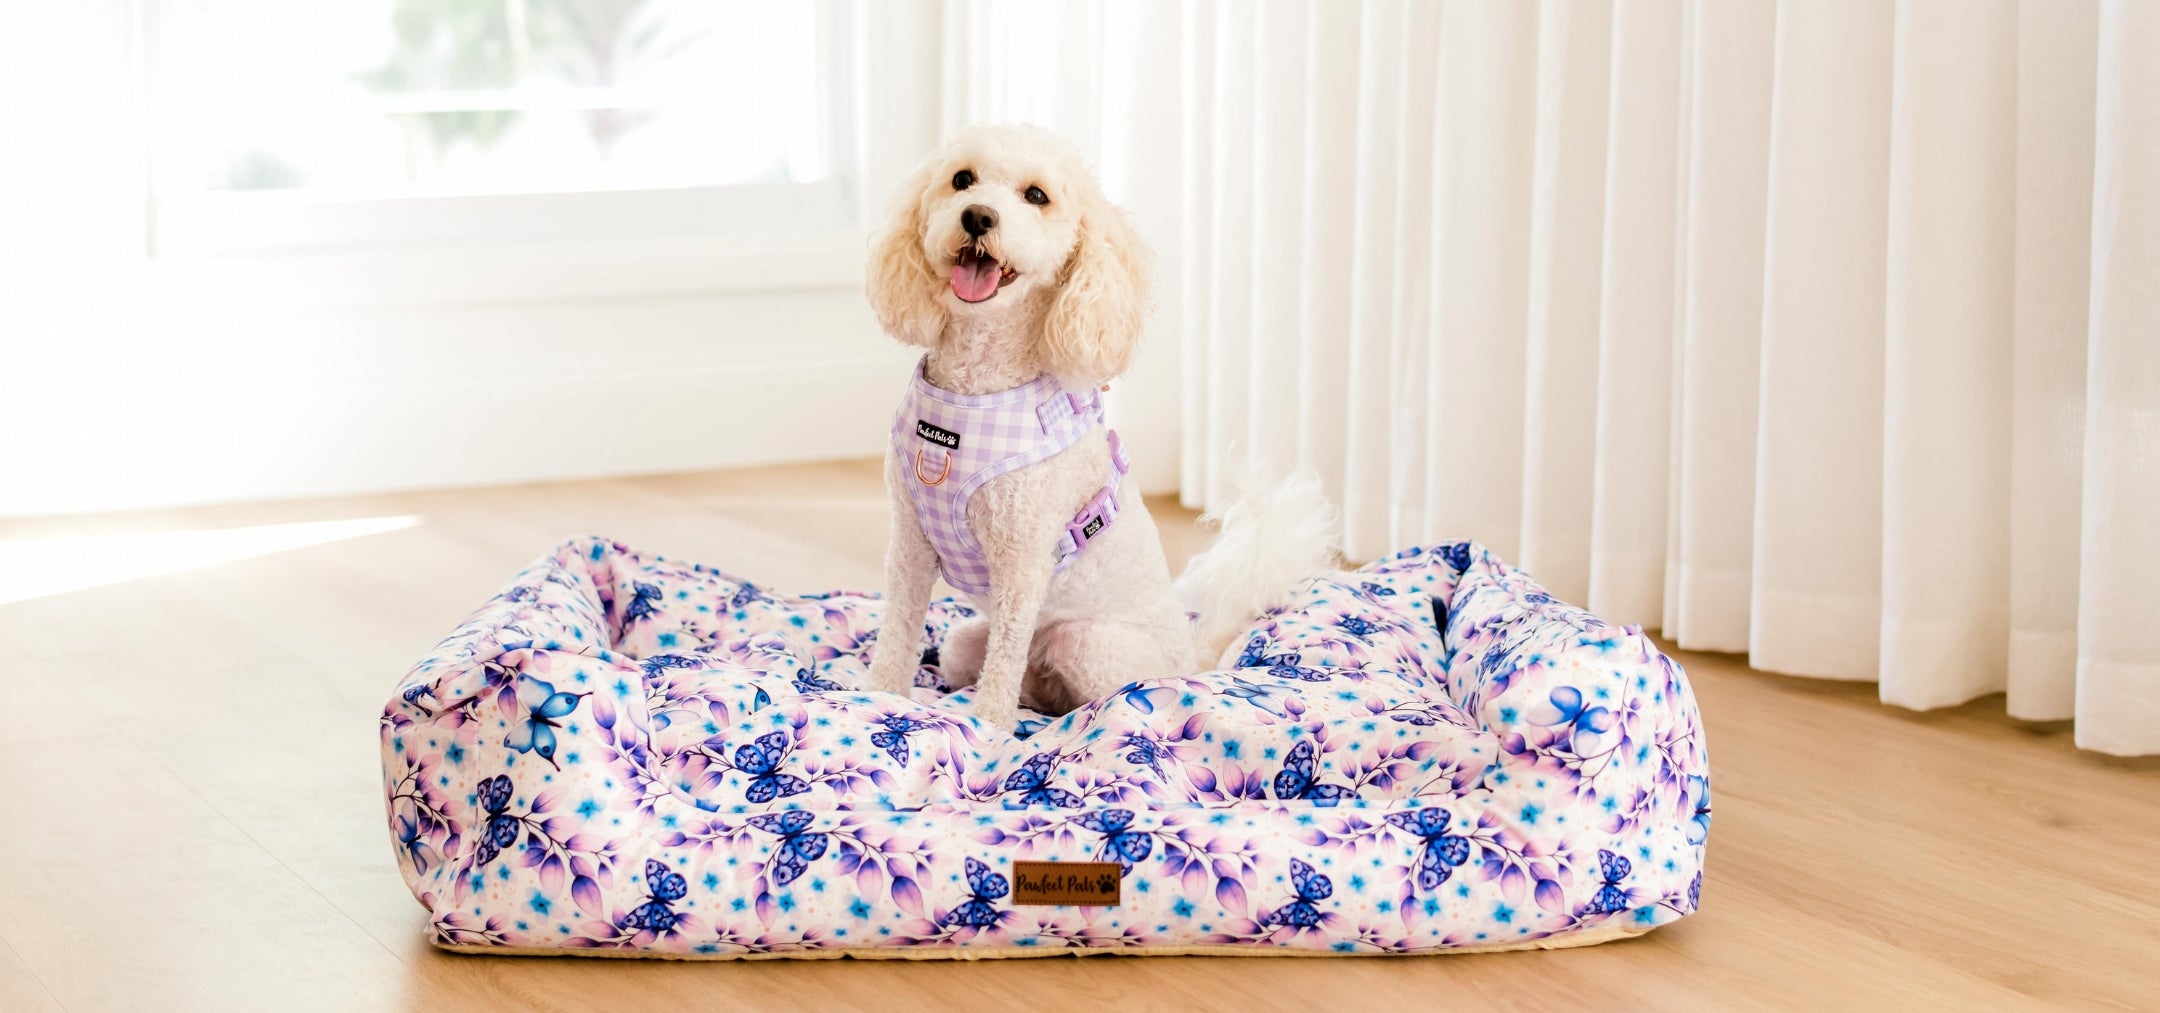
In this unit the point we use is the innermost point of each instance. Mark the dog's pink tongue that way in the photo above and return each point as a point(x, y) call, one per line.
point(974, 277)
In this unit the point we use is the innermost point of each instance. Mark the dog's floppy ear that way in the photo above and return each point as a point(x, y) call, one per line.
point(901, 284)
point(1094, 323)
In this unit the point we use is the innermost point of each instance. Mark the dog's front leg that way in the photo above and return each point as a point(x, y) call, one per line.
point(911, 569)
point(1021, 559)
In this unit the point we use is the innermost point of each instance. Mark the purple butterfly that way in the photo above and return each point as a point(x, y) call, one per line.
point(502, 829)
point(1612, 898)
point(979, 910)
point(1442, 851)
point(1281, 668)
point(1033, 780)
point(1302, 912)
point(745, 595)
point(643, 598)
point(893, 739)
point(1129, 846)
point(761, 760)
point(666, 887)
point(807, 681)
point(796, 850)
point(1297, 780)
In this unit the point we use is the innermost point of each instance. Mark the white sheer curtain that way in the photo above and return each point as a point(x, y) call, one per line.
point(1824, 331)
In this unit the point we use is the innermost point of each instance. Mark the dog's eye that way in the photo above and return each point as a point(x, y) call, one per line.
point(963, 179)
point(1036, 197)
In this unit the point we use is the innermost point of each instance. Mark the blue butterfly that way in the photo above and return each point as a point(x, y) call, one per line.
point(1612, 898)
point(807, 681)
point(1255, 694)
point(1379, 590)
point(1442, 851)
point(522, 593)
point(746, 594)
point(659, 663)
point(1694, 892)
point(644, 597)
point(502, 829)
point(893, 739)
point(796, 850)
point(1255, 654)
point(666, 886)
point(1358, 627)
point(1302, 913)
point(978, 911)
point(535, 733)
point(1297, 780)
point(1698, 828)
point(1457, 555)
point(761, 760)
point(1128, 845)
point(1145, 753)
point(1033, 778)
point(1282, 669)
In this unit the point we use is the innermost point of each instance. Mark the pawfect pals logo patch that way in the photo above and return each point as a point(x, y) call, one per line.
point(942, 437)
point(1089, 884)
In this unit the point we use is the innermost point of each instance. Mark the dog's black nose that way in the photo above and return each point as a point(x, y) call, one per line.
point(978, 219)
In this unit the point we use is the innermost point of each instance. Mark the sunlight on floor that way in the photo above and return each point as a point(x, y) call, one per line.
point(39, 567)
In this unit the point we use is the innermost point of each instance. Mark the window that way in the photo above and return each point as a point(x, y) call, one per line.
point(383, 122)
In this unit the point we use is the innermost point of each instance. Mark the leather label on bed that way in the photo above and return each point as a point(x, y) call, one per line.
point(1086, 884)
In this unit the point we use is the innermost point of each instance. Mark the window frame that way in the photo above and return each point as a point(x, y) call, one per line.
point(320, 252)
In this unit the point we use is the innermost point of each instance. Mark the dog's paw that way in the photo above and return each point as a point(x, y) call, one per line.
point(1003, 713)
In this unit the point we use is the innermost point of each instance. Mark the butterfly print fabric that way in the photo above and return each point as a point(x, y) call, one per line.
point(627, 753)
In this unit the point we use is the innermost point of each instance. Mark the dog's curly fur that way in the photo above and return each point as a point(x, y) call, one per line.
point(1073, 306)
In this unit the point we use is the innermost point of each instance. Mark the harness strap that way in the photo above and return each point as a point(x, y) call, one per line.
point(1096, 516)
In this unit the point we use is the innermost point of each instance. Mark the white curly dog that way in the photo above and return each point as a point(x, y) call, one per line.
point(1029, 291)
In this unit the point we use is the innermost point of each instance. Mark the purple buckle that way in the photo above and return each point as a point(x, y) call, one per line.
point(1118, 458)
point(1092, 518)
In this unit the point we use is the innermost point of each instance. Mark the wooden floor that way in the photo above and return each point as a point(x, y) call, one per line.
point(189, 813)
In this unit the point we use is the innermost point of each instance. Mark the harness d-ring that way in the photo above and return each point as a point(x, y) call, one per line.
point(940, 479)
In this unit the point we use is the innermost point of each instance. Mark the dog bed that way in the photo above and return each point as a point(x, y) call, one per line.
point(625, 755)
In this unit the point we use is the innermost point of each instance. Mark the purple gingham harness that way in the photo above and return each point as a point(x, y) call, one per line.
point(950, 444)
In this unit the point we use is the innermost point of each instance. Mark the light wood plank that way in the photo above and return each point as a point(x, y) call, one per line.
point(1862, 856)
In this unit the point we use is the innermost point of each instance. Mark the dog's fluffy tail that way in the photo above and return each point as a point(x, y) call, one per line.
point(1278, 533)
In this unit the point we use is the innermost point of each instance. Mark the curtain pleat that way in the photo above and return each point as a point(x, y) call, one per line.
point(1824, 331)
point(2118, 674)
point(2058, 49)
point(1721, 321)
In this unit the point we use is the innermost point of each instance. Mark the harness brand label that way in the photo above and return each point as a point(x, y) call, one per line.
point(942, 437)
point(1088, 530)
point(1058, 884)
